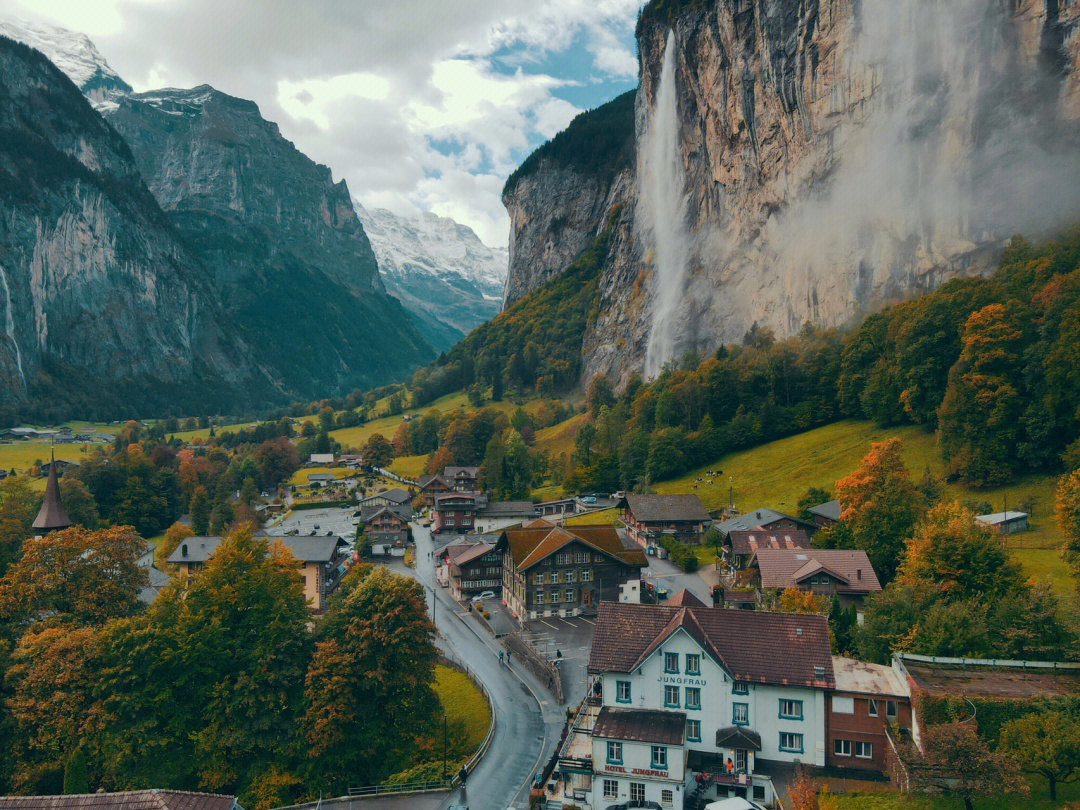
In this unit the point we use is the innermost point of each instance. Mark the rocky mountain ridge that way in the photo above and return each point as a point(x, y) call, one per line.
point(105, 309)
point(439, 270)
point(834, 156)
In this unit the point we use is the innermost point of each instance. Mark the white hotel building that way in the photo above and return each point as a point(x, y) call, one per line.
point(691, 703)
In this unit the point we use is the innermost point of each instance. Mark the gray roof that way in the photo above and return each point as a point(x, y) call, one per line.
point(396, 495)
point(996, 518)
point(830, 510)
point(126, 800)
point(655, 508)
point(509, 509)
point(757, 517)
point(368, 513)
point(305, 549)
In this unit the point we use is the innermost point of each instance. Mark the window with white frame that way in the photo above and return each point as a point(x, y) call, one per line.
point(539, 598)
point(538, 578)
point(693, 664)
point(693, 697)
point(872, 704)
point(790, 709)
point(614, 752)
point(791, 742)
point(740, 714)
point(864, 750)
point(659, 756)
point(611, 789)
point(667, 798)
point(569, 596)
point(637, 792)
point(693, 730)
point(842, 748)
point(622, 691)
point(563, 558)
point(586, 575)
point(554, 577)
point(569, 577)
point(740, 688)
point(555, 597)
point(580, 557)
point(843, 705)
point(671, 696)
point(671, 662)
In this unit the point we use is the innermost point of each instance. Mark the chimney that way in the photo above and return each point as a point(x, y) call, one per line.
point(798, 631)
point(183, 550)
point(858, 573)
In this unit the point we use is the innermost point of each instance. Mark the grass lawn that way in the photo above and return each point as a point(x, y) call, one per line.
point(777, 474)
point(1038, 800)
point(22, 455)
point(605, 517)
point(204, 433)
point(300, 477)
point(558, 439)
point(462, 700)
point(409, 466)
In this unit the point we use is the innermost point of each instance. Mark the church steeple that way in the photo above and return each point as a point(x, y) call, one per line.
point(52, 516)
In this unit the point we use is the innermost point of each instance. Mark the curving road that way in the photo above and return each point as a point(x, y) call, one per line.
point(527, 721)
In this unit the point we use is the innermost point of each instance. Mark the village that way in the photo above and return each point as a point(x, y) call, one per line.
point(678, 686)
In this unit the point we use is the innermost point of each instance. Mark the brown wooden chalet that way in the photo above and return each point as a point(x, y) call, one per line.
point(462, 479)
point(827, 571)
point(473, 569)
point(386, 524)
point(650, 517)
point(741, 544)
point(554, 570)
point(431, 486)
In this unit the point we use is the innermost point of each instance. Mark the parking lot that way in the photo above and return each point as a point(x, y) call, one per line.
point(572, 637)
point(332, 520)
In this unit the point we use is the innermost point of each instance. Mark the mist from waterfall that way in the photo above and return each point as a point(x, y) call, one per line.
point(9, 322)
point(662, 205)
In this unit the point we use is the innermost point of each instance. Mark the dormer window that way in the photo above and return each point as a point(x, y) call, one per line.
point(671, 663)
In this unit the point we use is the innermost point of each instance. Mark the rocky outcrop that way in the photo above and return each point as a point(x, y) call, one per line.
point(288, 254)
point(837, 155)
point(104, 309)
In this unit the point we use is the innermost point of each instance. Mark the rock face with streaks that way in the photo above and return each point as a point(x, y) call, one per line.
point(288, 255)
point(836, 154)
point(103, 308)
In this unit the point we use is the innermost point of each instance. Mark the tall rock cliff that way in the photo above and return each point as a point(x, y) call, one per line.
point(291, 261)
point(834, 155)
point(102, 308)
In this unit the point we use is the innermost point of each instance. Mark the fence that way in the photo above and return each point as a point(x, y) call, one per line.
point(543, 669)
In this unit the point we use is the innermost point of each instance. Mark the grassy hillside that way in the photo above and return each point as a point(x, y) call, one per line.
point(777, 474)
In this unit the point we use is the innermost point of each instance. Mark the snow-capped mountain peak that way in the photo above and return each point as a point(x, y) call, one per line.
point(74, 54)
point(437, 268)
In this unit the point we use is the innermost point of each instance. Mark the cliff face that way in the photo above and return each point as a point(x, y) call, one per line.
point(101, 305)
point(294, 268)
point(835, 155)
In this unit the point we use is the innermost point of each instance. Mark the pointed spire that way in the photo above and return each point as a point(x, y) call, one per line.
point(52, 515)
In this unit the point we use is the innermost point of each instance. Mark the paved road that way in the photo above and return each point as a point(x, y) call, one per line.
point(527, 723)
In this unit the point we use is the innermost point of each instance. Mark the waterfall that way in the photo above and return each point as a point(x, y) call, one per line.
point(9, 323)
point(663, 198)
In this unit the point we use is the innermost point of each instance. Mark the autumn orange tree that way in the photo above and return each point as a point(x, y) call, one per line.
point(880, 505)
point(369, 686)
point(795, 600)
point(76, 576)
point(979, 417)
point(1067, 511)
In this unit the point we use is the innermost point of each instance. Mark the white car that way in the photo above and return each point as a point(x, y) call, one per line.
point(480, 597)
point(734, 804)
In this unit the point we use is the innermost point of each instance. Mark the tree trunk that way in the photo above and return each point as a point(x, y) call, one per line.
point(967, 802)
point(1053, 787)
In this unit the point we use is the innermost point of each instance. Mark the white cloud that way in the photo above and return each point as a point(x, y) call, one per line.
point(372, 88)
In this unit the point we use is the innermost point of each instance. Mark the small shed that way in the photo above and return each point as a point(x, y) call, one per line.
point(1005, 522)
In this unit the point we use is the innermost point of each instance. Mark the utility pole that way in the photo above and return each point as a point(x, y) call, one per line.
point(731, 493)
point(444, 747)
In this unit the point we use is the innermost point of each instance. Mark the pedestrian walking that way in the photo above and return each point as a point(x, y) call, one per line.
point(500, 656)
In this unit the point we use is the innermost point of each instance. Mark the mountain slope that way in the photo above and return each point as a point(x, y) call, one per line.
point(830, 157)
point(289, 257)
point(439, 269)
point(75, 55)
point(105, 311)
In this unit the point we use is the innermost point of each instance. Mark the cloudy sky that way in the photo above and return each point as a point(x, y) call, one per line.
point(419, 104)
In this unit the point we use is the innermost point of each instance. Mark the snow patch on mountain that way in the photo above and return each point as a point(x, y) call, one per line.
point(74, 54)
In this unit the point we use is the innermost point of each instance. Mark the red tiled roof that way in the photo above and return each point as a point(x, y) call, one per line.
point(754, 646)
point(126, 800)
point(684, 599)
point(468, 553)
point(640, 725)
point(747, 541)
point(787, 568)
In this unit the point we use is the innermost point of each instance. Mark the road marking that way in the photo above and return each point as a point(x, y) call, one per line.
point(552, 626)
point(586, 620)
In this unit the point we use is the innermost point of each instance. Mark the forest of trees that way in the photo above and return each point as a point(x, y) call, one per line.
point(220, 685)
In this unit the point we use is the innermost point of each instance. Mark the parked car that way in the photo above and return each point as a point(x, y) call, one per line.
point(480, 597)
point(589, 499)
point(734, 804)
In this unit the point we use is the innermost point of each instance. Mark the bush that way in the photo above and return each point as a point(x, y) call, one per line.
point(681, 554)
